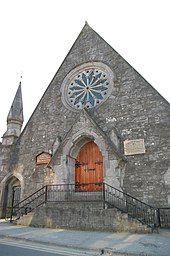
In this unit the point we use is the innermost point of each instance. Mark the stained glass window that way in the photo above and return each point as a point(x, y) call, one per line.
point(87, 86)
point(88, 89)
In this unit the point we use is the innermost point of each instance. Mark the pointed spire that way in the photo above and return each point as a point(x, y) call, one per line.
point(16, 110)
point(15, 119)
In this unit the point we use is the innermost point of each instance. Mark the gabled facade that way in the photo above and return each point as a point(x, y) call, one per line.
point(98, 121)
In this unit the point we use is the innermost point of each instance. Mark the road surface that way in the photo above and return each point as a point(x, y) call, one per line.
point(10, 247)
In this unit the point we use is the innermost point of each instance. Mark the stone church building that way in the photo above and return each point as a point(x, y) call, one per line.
point(98, 121)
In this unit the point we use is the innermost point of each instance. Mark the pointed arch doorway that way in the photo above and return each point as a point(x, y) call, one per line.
point(89, 168)
point(11, 195)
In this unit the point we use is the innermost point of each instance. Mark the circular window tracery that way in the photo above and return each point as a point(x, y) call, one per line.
point(87, 86)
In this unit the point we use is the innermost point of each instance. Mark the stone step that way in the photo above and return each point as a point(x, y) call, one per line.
point(82, 217)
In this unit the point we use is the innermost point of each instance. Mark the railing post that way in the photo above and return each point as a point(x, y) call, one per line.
point(13, 192)
point(11, 214)
point(126, 204)
point(158, 218)
point(46, 190)
point(104, 195)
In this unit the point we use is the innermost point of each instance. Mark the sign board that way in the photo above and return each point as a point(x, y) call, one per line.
point(43, 158)
point(134, 147)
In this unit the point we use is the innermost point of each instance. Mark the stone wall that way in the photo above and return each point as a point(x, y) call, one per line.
point(82, 217)
point(135, 109)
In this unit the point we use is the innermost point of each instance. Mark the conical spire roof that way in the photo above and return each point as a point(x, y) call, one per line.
point(14, 120)
point(16, 110)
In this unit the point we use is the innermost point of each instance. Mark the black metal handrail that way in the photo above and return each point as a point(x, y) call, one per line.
point(29, 203)
point(86, 192)
point(135, 208)
point(89, 192)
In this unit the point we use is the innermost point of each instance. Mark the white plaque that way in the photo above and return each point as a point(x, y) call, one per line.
point(134, 147)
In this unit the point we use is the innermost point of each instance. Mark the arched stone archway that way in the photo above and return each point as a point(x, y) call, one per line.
point(64, 162)
point(71, 150)
point(11, 195)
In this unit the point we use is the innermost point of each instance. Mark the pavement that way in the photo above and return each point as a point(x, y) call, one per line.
point(101, 243)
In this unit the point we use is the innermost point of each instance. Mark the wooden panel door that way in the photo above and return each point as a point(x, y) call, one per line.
point(89, 168)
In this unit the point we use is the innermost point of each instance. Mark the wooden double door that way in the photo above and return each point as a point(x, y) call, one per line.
point(89, 168)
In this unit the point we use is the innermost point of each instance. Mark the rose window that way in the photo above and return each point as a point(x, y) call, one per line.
point(87, 88)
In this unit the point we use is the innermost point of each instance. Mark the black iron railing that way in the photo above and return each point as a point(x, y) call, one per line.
point(164, 217)
point(29, 203)
point(58, 193)
point(135, 208)
point(90, 192)
point(75, 192)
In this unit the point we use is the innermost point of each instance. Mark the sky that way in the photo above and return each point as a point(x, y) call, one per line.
point(36, 35)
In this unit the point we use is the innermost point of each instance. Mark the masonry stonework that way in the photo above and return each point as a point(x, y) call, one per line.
point(82, 217)
point(134, 110)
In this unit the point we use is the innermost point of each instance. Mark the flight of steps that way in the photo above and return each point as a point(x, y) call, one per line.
point(82, 216)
